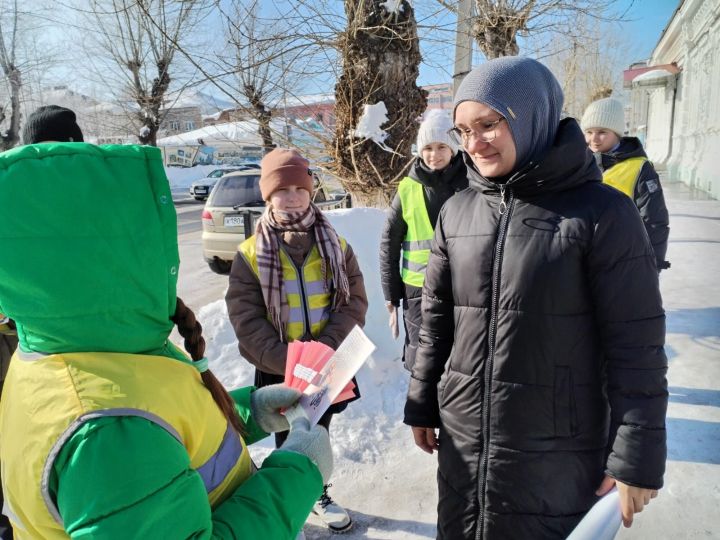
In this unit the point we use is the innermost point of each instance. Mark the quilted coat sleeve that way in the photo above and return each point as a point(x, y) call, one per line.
point(628, 309)
point(258, 340)
point(390, 248)
point(650, 202)
point(166, 497)
point(436, 336)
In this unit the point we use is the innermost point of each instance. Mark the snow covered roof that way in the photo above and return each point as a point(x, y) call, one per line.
point(207, 103)
point(653, 76)
point(244, 132)
point(312, 99)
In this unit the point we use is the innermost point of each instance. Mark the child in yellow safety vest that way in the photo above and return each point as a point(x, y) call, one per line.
point(108, 430)
point(625, 166)
point(436, 175)
point(294, 279)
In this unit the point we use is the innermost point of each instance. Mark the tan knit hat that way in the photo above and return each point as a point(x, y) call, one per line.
point(283, 167)
point(605, 113)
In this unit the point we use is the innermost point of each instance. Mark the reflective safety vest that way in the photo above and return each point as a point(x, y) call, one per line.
point(419, 235)
point(624, 175)
point(305, 289)
point(48, 398)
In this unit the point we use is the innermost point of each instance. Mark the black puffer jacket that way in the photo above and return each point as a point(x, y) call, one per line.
point(648, 195)
point(541, 349)
point(438, 187)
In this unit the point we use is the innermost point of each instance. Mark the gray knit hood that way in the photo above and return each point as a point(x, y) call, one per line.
point(526, 93)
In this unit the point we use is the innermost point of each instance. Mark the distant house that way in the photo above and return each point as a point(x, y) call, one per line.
point(180, 119)
point(187, 111)
point(440, 96)
point(319, 108)
point(677, 97)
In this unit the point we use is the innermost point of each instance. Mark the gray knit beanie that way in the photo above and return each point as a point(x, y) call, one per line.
point(605, 113)
point(526, 93)
point(434, 129)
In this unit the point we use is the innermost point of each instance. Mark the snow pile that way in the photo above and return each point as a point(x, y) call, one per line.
point(375, 457)
point(368, 126)
point(393, 6)
point(359, 432)
point(182, 177)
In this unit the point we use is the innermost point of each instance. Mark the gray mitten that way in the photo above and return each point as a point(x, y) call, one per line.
point(311, 442)
point(265, 405)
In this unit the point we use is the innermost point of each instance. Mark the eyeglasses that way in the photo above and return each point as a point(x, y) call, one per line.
point(487, 133)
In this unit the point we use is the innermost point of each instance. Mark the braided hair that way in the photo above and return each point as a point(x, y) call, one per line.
point(191, 331)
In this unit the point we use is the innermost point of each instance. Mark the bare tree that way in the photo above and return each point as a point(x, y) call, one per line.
point(140, 38)
point(587, 61)
point(10, 111)
point(498, 23)
point(380, 57)
point(256, 63)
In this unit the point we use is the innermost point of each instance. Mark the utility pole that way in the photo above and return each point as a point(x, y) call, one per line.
point(463, 43)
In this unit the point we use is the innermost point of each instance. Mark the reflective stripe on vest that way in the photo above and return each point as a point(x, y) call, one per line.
point(419, 235)
point(48, 398)
point(624, 175)
point(307, 296)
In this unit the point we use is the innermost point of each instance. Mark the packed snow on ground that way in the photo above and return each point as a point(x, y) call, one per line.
point(380, 476)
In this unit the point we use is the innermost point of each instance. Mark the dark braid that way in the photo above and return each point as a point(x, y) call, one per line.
point(191, 330)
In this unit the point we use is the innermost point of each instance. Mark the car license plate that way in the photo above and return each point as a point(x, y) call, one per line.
point(200, 190)
point(234, 221)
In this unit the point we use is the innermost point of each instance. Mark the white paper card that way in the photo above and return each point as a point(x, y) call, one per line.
point(337, 372)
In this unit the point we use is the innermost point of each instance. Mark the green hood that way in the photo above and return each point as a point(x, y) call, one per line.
point(88, 247)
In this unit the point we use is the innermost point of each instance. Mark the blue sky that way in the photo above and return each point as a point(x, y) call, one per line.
point(642, 30)
point(650, 17)
point(645, 21)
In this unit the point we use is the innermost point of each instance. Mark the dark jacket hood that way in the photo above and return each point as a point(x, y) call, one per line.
point(448, 177)
point(629, 147)
point(567, 164)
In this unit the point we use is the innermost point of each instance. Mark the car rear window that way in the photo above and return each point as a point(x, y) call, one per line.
point(237, 191)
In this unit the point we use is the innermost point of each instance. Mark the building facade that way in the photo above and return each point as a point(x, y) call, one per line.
point(440, 96)
point(180, 120)
point(682, 128)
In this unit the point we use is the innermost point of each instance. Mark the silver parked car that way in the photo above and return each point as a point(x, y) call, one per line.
point(234, 206)
point(200, 189)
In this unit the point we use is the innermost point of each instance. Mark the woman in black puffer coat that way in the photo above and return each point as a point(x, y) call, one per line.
point(541, 348)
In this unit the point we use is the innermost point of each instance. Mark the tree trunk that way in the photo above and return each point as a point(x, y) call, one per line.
point(11, 136)
point(496, 27)
point(262, 114)
point(380, 58)
point(152, 103)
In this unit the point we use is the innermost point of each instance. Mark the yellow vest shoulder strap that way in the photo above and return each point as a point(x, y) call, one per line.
point(624, 175)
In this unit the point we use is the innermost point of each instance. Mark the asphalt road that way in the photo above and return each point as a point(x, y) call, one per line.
point(197, 284)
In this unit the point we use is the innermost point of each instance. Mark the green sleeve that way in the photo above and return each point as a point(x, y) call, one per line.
point(241, 396)
point(126, 477)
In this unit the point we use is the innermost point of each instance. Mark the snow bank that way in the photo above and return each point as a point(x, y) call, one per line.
point(382, 380)
point(182, 177)
point(386, 482)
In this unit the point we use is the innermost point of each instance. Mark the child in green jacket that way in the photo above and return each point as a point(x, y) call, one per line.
point(115, 432)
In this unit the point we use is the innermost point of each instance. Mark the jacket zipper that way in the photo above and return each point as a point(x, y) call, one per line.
point(505, 210)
